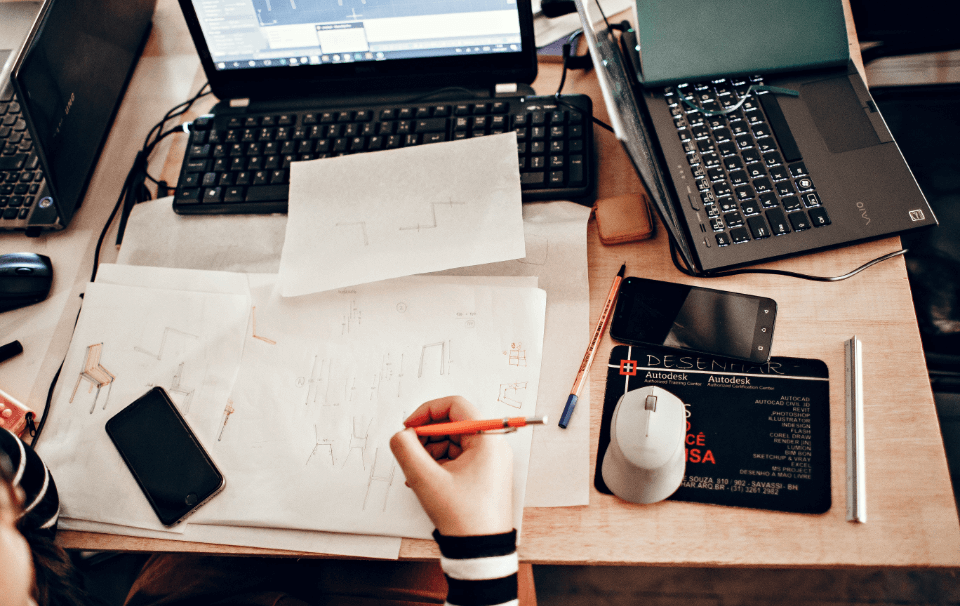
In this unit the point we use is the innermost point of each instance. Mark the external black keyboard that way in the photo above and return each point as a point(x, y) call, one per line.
point(749, 171)
point(239, 162)
point(21, 177)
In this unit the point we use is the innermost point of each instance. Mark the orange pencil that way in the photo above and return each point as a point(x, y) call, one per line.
point(462, 427)
point(592, 349)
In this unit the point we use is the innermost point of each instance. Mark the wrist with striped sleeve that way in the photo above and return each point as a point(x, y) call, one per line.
point(481, 570)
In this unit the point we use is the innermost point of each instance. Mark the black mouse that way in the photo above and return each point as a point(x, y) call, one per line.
point(25, 279)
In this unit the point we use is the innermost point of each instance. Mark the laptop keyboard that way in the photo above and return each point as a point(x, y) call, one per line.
point(21, 178)
point(240, 163)
point(751, 177)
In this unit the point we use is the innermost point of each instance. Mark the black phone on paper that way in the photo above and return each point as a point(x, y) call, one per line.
point(704, 320)
point(167, 460)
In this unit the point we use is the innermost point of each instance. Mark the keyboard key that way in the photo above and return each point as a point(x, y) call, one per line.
point(267, 193)
point(733, 219)
point(804, 183)
point(733, 163)
point(791, 203)
point(744, 193)
point(738, 177)
point(769, 200)
point(739, 235)
point(233, 194)
point(799, 221)
point(212, 195)
point(532, 178)
point(723, 240)
point(722, 189)
point(772, 159)
point(798, 169)
point(778, 221)
point(811, 199)
point(819, 216)
point(758, 227)
point(750, 207)
point(779, 173)
point(577, 172)
point(727, 204)
point(785, 188)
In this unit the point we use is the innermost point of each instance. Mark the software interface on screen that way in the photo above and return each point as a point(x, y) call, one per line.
point(266, 33)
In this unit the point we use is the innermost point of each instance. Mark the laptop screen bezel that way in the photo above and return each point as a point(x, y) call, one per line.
point(364, 77)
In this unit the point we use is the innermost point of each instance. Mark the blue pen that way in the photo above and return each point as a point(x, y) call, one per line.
point(592, 349)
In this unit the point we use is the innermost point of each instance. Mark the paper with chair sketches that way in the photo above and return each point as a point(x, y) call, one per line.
point(429, 208)
point(556, 234)
point(328, 378)
point(128, 339)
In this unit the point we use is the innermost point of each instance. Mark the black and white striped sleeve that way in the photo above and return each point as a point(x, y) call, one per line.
point(480, 571)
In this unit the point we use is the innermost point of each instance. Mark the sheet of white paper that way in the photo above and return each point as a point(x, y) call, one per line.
point(195, 280)
point(327, 543)
point(188, 343)
point(156, 236)
point(556, 235)
point(328, 378)
point(430, 207)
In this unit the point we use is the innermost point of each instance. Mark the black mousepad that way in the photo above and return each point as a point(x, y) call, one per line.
point(757, 435)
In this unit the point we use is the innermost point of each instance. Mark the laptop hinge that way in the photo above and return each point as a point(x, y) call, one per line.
point(239, 102)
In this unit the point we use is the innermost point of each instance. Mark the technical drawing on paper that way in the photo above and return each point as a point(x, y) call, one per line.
point(322, 444)
point(227, 411)
point(389, 371)
point(253, 315)
point(175, 388)
point(433, 209)
point(512, 394)
point(517, 356)
point(358, 440)
point(363, 230)
point(163, 342)
point(351, 318)
point(318, 376)
point(381, 479)
point(444, 350)
point(95, 374)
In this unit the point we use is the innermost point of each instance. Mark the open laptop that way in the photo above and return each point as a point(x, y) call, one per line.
point(779, 175)
point(67, 64)
point(309, 79)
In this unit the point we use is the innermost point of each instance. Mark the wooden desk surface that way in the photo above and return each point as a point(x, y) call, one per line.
point(912, 515)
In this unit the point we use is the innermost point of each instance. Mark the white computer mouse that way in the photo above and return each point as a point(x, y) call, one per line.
point(645, 460)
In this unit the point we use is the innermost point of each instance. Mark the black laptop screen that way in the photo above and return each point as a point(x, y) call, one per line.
point(244, 34)
point(279, 48)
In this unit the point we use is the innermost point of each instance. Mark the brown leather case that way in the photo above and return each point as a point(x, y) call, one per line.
point(624, 218)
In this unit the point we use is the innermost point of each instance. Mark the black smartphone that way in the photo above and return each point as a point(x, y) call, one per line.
point(171, 466)
point(698, 319)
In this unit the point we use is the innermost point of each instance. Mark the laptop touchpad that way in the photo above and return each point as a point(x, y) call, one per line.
point(838, 114)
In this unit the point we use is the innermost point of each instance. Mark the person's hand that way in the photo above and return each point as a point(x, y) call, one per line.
point(465, 483)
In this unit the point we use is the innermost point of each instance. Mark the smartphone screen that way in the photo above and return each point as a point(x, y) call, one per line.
point(164, 456)
point(693, 318)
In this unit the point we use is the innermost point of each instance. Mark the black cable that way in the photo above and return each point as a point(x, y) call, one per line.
point(134, 189)
point(777, 272)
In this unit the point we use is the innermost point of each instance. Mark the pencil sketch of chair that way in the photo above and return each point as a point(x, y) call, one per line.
point(381, 478)
point(96, 374)
point(175, 388)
